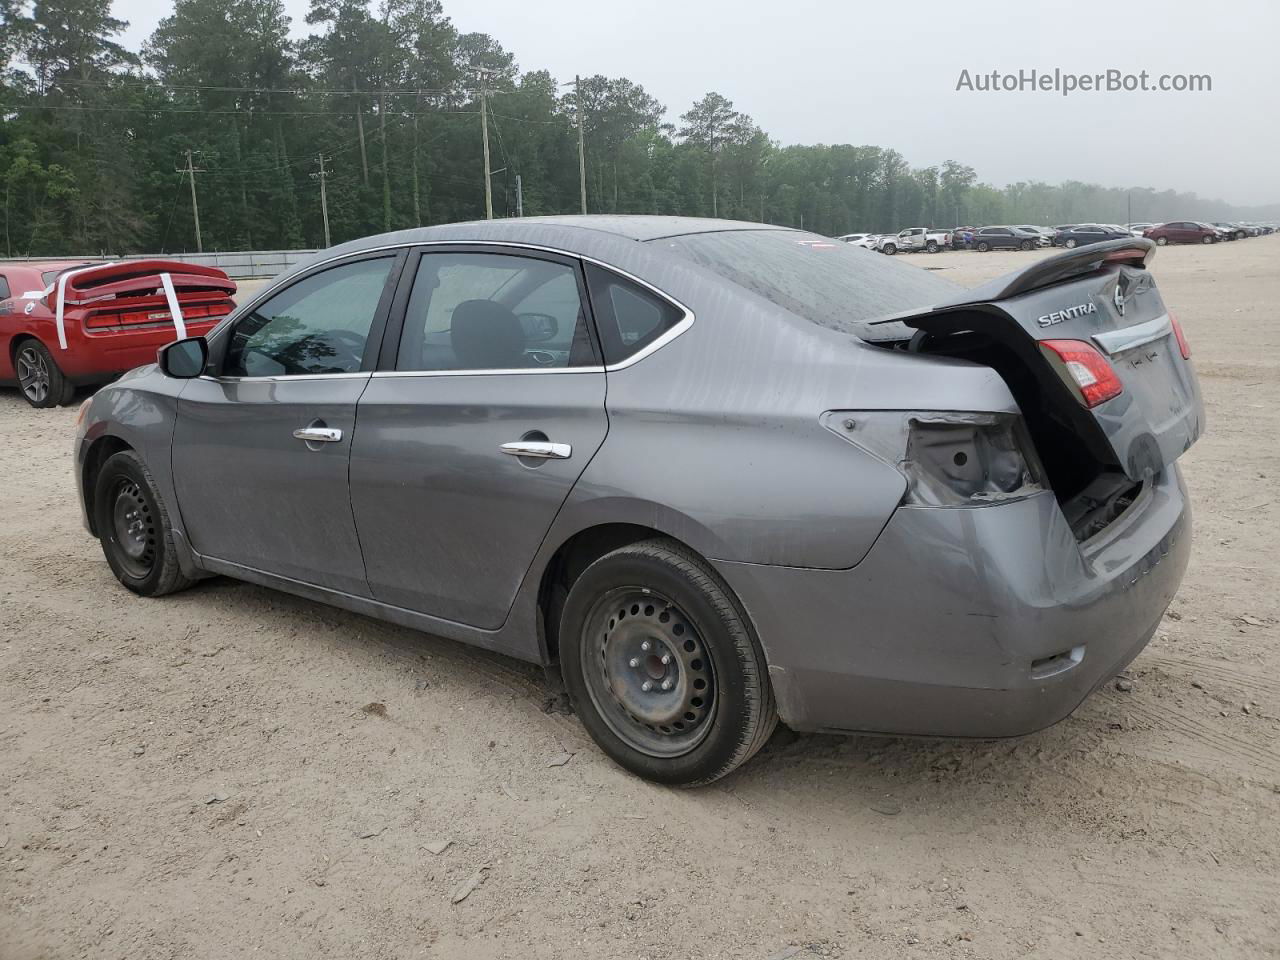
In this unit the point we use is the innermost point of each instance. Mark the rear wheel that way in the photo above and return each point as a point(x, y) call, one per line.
point(662, 666)
point(1070, 243)
point(931, 246)
point(134, 527)
point(41, 382)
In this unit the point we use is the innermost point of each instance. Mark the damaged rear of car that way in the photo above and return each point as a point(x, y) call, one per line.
point(1037, 542)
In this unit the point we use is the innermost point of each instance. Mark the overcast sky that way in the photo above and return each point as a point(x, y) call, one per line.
point(886, 74)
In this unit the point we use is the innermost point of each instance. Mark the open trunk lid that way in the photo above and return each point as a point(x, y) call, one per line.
point(1102, 297)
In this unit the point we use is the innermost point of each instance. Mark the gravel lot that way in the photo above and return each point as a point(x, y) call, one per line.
point(211, 774)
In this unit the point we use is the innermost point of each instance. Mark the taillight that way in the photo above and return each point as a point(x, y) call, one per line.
point(947, 458)
point(1182, 339)
point(1087, 368)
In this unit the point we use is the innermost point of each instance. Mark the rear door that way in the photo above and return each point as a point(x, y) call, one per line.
point(261, 448)
point(488, 405)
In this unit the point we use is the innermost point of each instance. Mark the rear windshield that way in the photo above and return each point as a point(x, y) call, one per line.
point(827, 282)
point(51, 275)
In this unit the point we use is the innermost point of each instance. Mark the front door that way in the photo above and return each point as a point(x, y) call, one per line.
point(471, 439)
point(261, 450)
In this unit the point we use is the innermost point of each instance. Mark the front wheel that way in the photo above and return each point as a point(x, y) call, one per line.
point(890, 249)
point(662, 666)
point(983, 247)
point(1162, 241)
point(1025, 245)
point(41, 382)
point(1206, 239)
point(134, 527)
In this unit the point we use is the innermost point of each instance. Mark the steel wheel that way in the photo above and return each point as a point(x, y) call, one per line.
point(33, 373)
point(132, 528)
point(648, 673)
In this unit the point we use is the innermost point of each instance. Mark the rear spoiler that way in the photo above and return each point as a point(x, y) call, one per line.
point(102, 281)
point(1135, 251)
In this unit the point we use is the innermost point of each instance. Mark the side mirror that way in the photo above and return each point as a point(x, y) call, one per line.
point(539, 327)
point(184, 359)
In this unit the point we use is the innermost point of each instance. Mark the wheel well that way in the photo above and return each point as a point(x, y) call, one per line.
point(15, 343)
point(566, 565)
point(102, 449)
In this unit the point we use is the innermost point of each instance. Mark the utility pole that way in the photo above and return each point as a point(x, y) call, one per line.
point(484, 133)
point(582, 157)
point(519, 197)
point(364, 156)
point(191, 172)
point(324, 202)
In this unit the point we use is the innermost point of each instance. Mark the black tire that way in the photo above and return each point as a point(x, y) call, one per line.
point(1025, 245)
point(708, 706)
point(931, 246)
point(1162, 241)
point(1206, 239)
point(983, 246)
point(133, 526)
point(1070, 243)
point(890, 249)
point(40, 381)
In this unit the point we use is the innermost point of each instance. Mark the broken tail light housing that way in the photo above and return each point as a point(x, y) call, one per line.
point(949, 459)
point(1183, 346)
point(1082, 366)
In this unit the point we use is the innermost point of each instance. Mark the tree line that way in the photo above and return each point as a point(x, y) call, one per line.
point(94, 139)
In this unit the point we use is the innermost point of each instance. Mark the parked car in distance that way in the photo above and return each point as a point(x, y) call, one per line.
point(914, 240)
point(1045, 235)
point(1004, 238)
point(1237, 231)
point(1139, 229)
point(1183, 231)
point(1087, 233)
point(115, 316)
point(969, 517)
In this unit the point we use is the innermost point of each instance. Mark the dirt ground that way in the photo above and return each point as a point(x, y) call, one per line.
point(205, 776)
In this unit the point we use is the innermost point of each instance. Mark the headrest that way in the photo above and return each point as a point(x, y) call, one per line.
point(486, 336)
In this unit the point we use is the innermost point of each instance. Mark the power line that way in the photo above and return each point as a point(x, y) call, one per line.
point(144, 83)
point(232, 113)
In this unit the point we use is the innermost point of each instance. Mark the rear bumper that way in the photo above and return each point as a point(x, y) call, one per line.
point(971, 622)
point(105, 353)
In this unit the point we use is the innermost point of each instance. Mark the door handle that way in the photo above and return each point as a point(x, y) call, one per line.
point(318, 434)
point(538, 448)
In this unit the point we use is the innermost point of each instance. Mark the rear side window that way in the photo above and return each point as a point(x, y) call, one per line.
point(489, 311)
point(4, 288)
point(629, 316)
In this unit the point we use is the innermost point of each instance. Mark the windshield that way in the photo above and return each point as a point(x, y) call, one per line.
point(831, 284)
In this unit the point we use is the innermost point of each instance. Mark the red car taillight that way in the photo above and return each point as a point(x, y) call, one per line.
point(1182, 340)
point(1087, 368)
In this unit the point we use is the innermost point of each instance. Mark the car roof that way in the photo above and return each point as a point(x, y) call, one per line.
point(640, 228)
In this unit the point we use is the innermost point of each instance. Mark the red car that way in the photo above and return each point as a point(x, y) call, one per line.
point(62, 326)
point(1182, 231)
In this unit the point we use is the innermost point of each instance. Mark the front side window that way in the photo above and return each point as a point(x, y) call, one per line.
point(490, 311)
point(320, 324)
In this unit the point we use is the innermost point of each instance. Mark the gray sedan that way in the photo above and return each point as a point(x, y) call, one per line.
point(713, 473)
